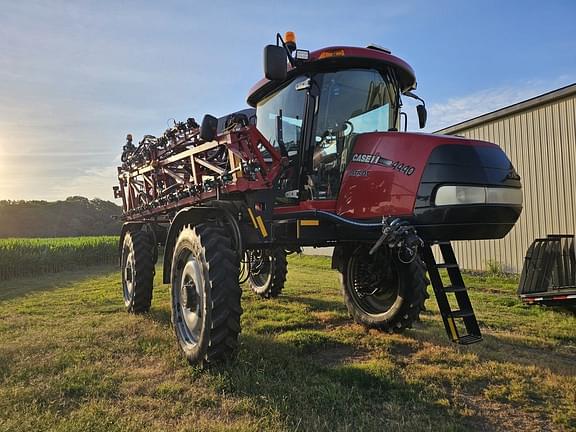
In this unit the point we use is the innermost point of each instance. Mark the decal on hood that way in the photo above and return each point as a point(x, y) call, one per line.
point(376, 159)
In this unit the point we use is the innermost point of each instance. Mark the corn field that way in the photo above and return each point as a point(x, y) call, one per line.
point(27, 257)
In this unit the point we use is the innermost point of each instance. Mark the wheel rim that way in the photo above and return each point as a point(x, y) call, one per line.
point(261, 268)
point(128, 277)
point(244, 268)
point(187, 298)
point(373, 283)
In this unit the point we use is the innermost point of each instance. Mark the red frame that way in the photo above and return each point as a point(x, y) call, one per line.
point(140, 188)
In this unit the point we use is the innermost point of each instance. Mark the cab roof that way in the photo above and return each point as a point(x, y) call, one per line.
point(339, 57)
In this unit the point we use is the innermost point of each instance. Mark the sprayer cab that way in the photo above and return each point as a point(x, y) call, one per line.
point(335, 113)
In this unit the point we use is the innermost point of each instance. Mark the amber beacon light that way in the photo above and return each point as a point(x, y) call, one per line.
point(290, 40)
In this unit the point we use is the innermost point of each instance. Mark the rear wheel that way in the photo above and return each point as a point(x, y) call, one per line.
point(205, 294)
point(268, 269)
point(382, 292)
point(137, 265)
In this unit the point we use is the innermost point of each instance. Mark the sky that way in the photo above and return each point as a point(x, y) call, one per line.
point(77, 76)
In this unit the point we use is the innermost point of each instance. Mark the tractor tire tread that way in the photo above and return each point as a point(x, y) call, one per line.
point(276, 284)
point(225, 294)
point(143, 272)
point(410, 309)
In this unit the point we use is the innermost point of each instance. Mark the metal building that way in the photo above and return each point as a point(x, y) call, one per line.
point(539, 136)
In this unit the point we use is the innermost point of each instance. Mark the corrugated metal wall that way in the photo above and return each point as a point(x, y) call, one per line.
point(541, 142)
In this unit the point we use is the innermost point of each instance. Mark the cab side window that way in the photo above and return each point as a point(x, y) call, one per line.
point(279, 118)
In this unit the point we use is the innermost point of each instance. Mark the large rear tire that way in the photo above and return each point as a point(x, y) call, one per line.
point(268, 269)
point(205, 294)
point(137, 266)
point(382, 292)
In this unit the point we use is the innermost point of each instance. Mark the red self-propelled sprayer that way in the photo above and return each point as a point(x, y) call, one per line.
point(319, 160)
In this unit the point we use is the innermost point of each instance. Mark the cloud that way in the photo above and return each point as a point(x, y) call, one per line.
point(94, 183)
point(58, 183)
point(461, 108)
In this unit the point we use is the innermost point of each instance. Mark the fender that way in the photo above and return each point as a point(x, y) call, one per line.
point(340, 256)
point(194, 216)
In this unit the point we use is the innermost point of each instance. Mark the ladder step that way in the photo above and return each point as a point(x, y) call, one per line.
point(446, 266)
point(454, 289)
point(462, 313)
point(460, 324)
point(469, 339)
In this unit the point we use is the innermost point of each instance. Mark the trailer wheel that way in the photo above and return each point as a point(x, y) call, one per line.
point(382, 292)
point(268, 269)
point(205, 294)
point(137, 265)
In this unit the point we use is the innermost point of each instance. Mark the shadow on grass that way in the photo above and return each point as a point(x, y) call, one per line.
point(316, 304)
point(294, 387)
point(160, 315)
point(14, 288)
point(503, 349)
point(499, 348)
point(495, 347)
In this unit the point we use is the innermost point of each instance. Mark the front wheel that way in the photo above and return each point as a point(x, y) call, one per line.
point(382, 292)
point(205, 294)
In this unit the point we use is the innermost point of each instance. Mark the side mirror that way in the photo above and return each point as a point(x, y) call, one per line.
point(208, 128)
point(275, 68)
point(422, 115)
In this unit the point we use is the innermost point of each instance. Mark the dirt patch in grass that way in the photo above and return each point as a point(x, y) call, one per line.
point(338, 355)
point(331, 319)
point(488, 416)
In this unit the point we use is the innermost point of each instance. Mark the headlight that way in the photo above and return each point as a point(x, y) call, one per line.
point(463, 195)
point(503, 196)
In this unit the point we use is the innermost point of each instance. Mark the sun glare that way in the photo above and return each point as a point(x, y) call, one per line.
point(2, 157)
point(5, 184)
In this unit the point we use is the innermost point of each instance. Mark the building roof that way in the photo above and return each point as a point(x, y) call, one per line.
point(512, 109)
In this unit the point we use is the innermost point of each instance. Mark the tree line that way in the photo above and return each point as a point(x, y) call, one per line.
point(72, 217)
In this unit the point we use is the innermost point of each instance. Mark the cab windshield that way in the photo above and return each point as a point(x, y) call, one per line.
point(363, 100)
point(352, 101)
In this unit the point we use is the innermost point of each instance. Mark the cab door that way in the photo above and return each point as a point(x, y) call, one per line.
point(280, 118)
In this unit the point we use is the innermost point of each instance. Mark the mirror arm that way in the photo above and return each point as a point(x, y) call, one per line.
point(403, 114)
point(288, 53)
point(415, 96)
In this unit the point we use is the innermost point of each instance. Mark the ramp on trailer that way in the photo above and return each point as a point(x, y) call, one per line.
point(549, 273)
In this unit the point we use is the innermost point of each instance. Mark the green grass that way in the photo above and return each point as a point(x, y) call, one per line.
point(72, 359)
point(25, 257)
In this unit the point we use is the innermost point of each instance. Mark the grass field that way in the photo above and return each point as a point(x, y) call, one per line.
point(72, 359)
point(25, 257)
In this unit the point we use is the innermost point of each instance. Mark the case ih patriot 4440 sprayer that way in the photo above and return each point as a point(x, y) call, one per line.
point(319, 161)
